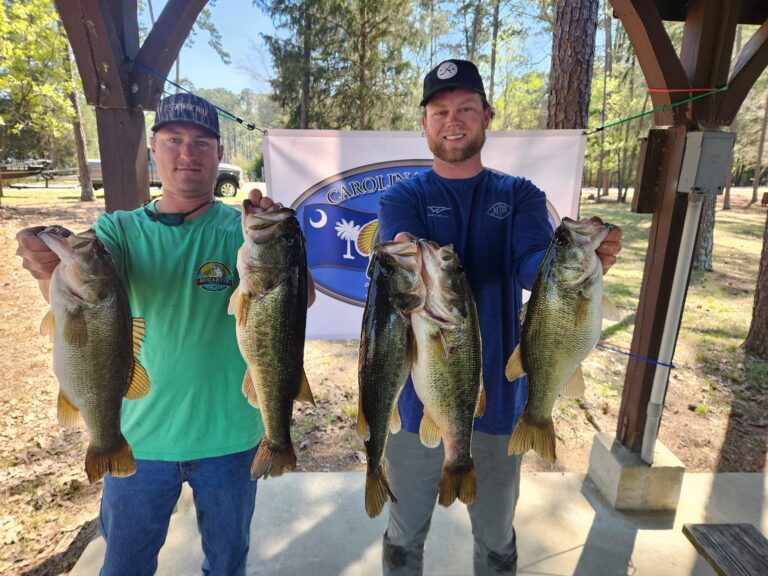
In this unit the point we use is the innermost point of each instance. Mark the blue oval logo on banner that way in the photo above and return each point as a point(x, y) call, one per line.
point(338, 216)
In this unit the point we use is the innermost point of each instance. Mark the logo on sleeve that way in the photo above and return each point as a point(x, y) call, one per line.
point(500, 210)
point(438, 211)
point(213, 276)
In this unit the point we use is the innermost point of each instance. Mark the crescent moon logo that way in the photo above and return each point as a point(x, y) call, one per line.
point(320, 223)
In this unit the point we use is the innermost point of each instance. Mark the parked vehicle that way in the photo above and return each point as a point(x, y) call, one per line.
point(227, 182)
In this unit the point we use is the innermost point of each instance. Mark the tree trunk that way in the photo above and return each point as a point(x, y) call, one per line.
point(306, 67)
point(760, 148)
point(86, 186)
point(705, 235)
point(602, 189)
point(477, 16)
point(573, 53)
point(178, 72)
point(757, 339)
point(494, 41)
point(734, 128)
point(362, 116)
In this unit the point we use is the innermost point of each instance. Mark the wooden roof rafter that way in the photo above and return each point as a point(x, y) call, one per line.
point(655, 54)
point(92, 34)
point(104, 35)
point(748, 66)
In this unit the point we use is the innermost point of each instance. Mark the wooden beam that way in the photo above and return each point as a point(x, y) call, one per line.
point(125, 16)
point(161, 48)
point(123, 148)
point(660, 264)
point(97, 50)
point(750, 63)
point(708, 37)
point(655, 54)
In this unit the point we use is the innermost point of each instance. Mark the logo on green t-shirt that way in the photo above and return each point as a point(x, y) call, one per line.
point(213, 276)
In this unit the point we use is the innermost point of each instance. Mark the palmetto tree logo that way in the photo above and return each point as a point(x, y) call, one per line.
point(347, 231)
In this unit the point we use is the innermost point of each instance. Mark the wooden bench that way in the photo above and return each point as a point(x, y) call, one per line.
point(731, 549)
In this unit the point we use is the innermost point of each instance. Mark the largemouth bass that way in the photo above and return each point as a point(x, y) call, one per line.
point(270, 307)
point(95, 343)
point(395, 291)
point(561, 325)
point(447, 369)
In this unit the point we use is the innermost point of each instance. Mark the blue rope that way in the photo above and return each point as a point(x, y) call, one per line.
point(643, 358)
point(222, 112)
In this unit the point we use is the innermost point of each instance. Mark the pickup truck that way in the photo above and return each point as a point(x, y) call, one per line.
point(227, 182)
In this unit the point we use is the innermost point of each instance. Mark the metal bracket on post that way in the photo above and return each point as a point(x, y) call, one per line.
point(704, 172)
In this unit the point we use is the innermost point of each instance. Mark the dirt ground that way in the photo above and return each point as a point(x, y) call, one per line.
point(48, 509)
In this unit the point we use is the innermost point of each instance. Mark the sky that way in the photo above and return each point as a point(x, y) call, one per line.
point(239, 24)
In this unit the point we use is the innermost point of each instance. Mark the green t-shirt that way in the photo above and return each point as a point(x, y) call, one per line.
point(179, 279)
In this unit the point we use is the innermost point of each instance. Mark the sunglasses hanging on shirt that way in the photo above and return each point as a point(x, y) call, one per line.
point(171, 218)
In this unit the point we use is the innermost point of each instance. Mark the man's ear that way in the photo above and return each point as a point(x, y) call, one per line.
point(221, 152)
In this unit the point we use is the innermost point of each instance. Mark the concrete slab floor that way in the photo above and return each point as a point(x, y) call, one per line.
point(315, 523)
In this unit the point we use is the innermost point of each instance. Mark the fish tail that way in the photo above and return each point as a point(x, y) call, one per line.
point(457, 482)
point(118, 462)
point(377, 491)
point(539, 436)
point(272, 460)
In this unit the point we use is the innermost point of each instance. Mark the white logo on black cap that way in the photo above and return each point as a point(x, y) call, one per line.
point(447, 70)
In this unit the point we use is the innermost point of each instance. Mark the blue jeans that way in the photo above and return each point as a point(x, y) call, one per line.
point(136, 510)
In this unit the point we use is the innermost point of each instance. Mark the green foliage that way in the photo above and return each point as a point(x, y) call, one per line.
point(522, 104)
point(34, 83)
point(343, 63)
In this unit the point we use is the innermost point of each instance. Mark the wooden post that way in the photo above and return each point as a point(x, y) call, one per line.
point(104, 36)
point(707, 44)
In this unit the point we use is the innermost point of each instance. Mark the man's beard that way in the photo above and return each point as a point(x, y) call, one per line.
point(456, 155)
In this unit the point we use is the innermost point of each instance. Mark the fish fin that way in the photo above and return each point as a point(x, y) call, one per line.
point(363, 428)
point(75, 329)
point(377, 491)
point(395, 425)
point(610, 312)
point(429, 433)
point(272, 460)
point(411, 350)
point(67, 414)
point(305, 393)
point(138, 331)
point(118, 462)
point(140, 385)
point(238, 305)
point(439, 345)
point(481, 400)
point(457, 482)
point(232, 306)
point(514, 367)
point(539, 436)
point(249, 390)
point(574, 387)
point(48, 325)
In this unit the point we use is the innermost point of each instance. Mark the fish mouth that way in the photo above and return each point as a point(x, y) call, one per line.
point(586, 230)
point(275, 214)
point(57, 239)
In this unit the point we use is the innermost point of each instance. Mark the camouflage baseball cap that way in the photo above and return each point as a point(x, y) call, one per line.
point(189, 108)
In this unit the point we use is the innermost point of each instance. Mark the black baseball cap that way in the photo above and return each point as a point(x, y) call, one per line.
point(452, 74)
point(189, 108)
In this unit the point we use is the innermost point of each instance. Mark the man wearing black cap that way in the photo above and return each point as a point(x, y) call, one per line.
point(498, 225)
point(177, 258)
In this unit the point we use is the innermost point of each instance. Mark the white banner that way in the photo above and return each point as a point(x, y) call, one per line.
point(333, 180)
